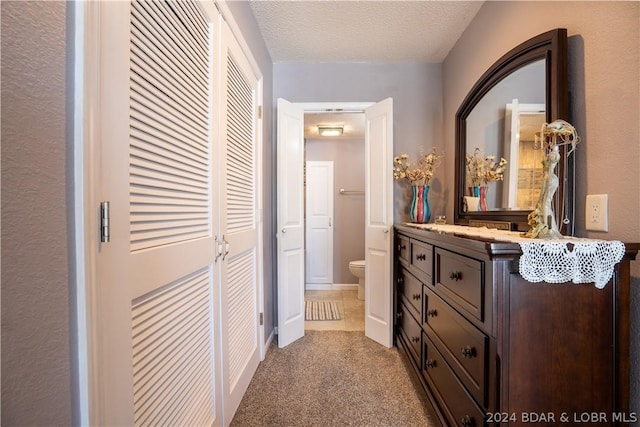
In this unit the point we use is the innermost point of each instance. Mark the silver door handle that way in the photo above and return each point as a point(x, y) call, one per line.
point(386, 230)
point(284, 231)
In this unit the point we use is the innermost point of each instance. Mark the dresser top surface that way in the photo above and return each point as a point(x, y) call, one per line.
point(494, 243)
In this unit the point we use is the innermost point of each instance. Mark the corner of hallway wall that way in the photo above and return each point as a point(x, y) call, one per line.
point(36, 371)
point(246, 22)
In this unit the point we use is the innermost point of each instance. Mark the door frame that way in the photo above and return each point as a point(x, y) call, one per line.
point(86, 106)
point(331, 107)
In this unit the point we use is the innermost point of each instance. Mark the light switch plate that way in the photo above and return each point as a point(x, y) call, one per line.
point(597, 212)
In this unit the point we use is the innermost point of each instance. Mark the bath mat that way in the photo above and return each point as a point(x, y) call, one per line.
point(321, 310)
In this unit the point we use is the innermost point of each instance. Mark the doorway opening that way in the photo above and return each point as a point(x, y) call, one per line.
point(378, 217)
point(335, 217)
point(334, 199)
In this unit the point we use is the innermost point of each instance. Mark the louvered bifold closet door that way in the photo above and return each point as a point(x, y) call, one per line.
point(239, 200)
point(168, 270)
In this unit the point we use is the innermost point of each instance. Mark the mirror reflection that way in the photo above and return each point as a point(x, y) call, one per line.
point(503, 124)
point(522, 138)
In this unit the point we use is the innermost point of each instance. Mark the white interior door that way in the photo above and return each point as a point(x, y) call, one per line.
point(239, 223)
point(379, 222)
point(318, 219)
point(156, 326)
point(290, 222)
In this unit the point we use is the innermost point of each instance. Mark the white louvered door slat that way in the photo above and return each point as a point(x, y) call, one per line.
point(158, 293)
point(239, 191)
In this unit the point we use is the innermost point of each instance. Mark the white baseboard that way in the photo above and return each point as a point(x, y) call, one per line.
point(272, 336)
point(331, 286)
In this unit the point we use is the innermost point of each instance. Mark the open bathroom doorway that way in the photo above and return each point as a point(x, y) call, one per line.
point(378, 220)
point(334, 199)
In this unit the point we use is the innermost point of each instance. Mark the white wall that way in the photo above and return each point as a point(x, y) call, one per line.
point(417, 103)
point(604, 65)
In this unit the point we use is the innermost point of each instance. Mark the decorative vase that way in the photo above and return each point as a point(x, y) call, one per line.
point(480, 191)
point(419, 212)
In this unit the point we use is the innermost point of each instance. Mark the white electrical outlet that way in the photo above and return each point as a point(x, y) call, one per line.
point(597, 212)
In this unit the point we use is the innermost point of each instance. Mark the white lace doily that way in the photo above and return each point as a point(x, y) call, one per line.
point(554, 262)
point(569, 259)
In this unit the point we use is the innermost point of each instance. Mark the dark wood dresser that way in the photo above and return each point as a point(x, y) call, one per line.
point(490, 348)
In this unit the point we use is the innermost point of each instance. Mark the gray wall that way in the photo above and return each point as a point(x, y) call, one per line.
point(417, 103)
point(604, 65)
point(36, 366)
point(347, 156)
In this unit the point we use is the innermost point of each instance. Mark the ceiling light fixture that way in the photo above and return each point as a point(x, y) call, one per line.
point(330, 130)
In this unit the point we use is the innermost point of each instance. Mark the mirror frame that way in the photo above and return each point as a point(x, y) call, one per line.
point(551, 46)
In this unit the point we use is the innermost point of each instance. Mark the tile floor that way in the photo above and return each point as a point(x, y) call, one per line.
point(350, 306)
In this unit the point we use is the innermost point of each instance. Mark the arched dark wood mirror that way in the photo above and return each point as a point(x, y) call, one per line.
point(500, 116)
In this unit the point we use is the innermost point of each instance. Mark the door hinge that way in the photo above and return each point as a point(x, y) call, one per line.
point(259, 111)
point(104, 222)
point(261, 319)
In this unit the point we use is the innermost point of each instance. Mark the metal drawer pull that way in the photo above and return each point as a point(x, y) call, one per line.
point(402, 247)
point(467, 421)
point(469, 351)
point(399, 314)
point(415, 339)
point(416, 296)
point(421, 257)
point(432, 313)
point(400, 280)
point(430, 363)
point(455, 275)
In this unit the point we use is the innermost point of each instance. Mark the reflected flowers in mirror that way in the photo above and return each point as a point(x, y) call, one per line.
point(484, 169)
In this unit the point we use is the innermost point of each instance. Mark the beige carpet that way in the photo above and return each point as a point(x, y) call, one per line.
point(331, 378)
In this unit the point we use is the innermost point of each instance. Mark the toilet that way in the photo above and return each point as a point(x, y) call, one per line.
point(357, 269)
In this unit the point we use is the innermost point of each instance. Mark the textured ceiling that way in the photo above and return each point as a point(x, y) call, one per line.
point(368, 31)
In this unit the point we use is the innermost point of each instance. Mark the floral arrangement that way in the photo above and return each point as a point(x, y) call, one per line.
point(419, 174)
point(482, 170)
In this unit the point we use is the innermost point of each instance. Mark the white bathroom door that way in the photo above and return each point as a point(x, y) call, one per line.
point(379, 222)
point(318, 219)
point(290, 222)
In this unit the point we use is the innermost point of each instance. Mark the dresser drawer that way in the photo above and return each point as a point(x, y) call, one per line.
point(411, 331)
point(462, 280)
point(403, 249)
point(422, 258)
point(458, 406)
point(411, 290)
point(464, 346)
